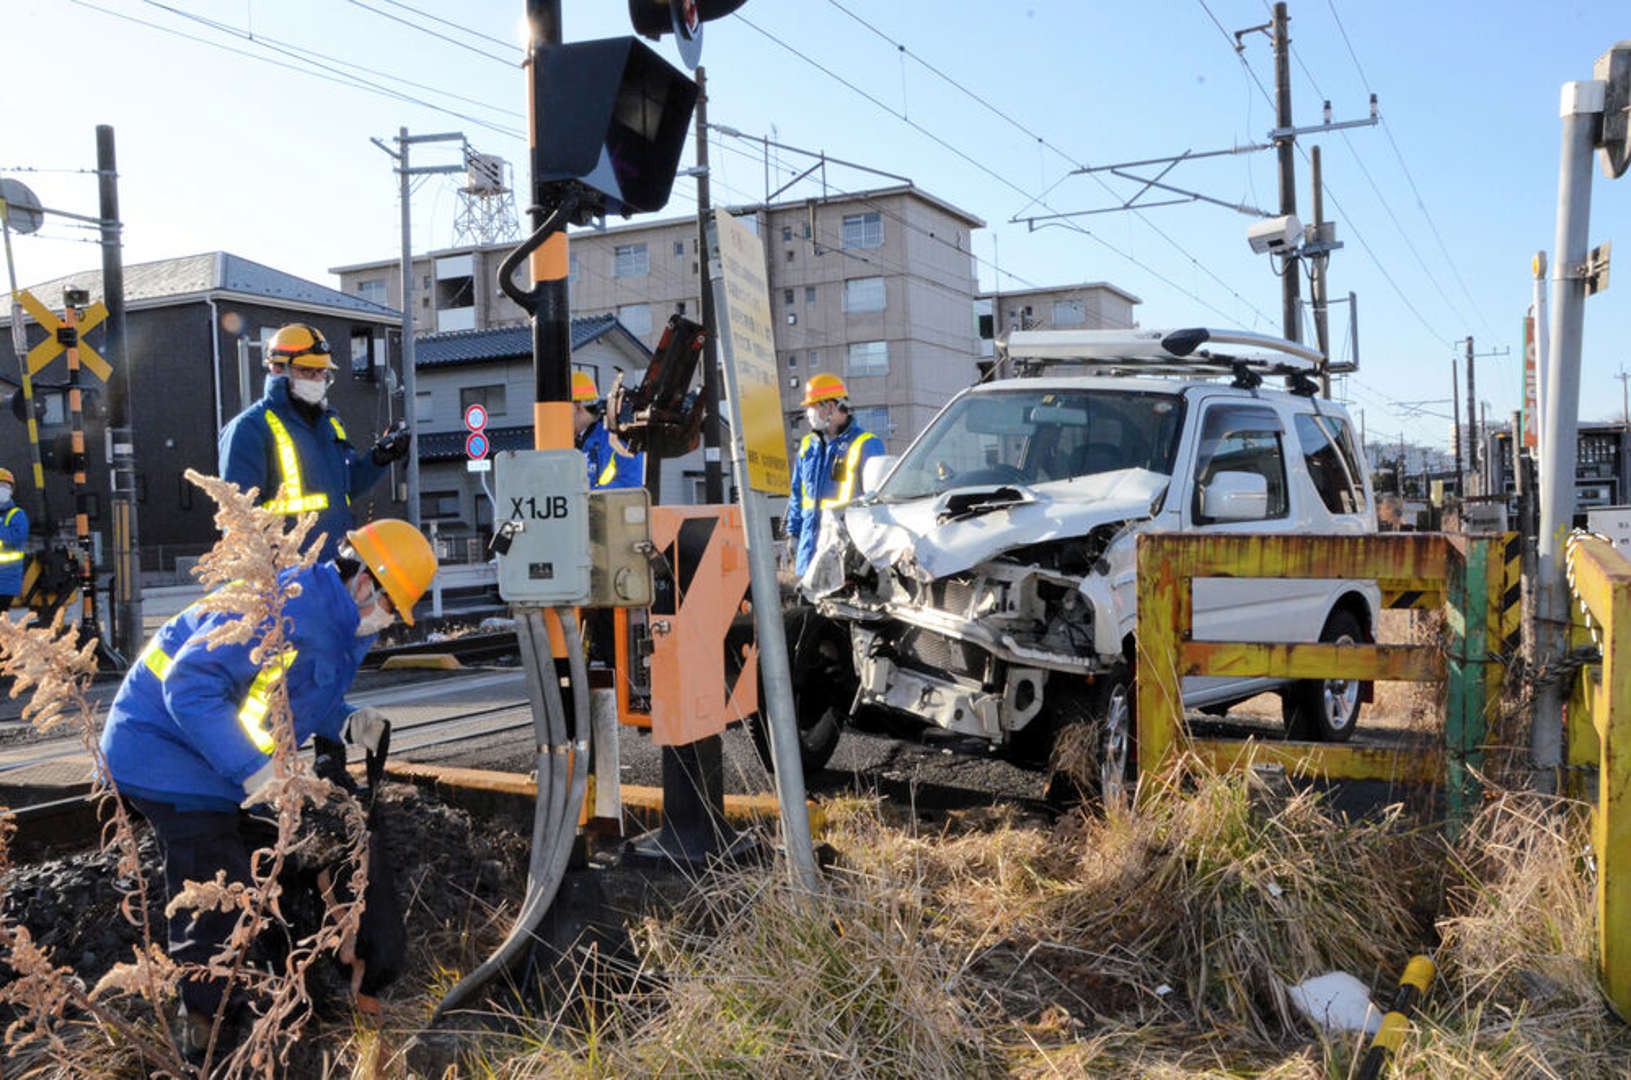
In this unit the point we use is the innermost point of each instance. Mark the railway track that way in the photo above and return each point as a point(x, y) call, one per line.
point(469, 649)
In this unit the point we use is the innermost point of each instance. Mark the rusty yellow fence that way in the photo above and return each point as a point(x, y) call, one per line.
point(1465, 575)
point(1599, 735)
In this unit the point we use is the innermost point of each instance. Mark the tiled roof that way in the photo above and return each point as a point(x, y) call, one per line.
point(210, 272)
point(506, 342)
point(447, 445)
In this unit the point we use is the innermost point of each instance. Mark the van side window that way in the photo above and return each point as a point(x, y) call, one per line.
point(1242, 439)
point(1332, 463)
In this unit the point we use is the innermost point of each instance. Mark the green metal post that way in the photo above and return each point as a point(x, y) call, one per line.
point(1467, 672)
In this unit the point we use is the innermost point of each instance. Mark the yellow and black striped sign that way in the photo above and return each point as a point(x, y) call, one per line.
point(1510, 621)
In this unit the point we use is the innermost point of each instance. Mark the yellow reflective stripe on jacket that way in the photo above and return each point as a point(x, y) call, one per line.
point(852, 460)
point(609, 473)
point(339, 428)
point(296, 501)
point(7, 555)
point(252, 714)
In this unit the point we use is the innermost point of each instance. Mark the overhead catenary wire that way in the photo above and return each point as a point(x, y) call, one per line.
point(433, 33)
point(977, 164)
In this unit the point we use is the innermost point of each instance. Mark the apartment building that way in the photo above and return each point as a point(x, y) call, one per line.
point(875, 286)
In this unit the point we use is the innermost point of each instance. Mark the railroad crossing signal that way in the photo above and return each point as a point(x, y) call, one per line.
point(60, 336)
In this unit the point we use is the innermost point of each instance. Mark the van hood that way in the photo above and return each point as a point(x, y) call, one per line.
point(934, 536)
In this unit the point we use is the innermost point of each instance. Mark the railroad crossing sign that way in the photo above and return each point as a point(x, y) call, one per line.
point(59, 336)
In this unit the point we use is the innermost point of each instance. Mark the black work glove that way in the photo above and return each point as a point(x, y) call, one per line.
point(328, 763)
point(393, 445)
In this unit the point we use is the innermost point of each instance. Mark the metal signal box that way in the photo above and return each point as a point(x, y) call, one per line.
point(620, 548)
point(541, 527)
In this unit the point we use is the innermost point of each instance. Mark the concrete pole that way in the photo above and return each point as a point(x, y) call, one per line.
point(1472, 417)
point(126, 602)
point(1539, 268)
point(713, 480)
point(1455, 433)
point(409, 383)
point(1291, 289)
point(1322, 331)
point(1582, 105)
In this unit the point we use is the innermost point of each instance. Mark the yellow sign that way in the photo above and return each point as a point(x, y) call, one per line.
point(750, 347)
point(47, 350)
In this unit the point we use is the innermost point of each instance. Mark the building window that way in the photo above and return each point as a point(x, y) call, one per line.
point(806, 230)
point(679, 307)
point(679, 249)
point(809, 294)
point(787, 297)
point(867, 358)
point(636, 318)
point(863, 230)
point(422, 411)
point(789, 254)
point(1069, 313)
point(629, 260)
point(372, 290)
point(571, 268)
point(362, 355)
point(792, 360)
point(814, 358)
point(490, 398)
point(434, 505)
point(787, 233)
point(863, 294)
point(873, 418)
point(425, 284)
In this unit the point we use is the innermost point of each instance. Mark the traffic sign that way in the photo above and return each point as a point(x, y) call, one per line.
point(46, 351)
point(475, 419)
point(476, 444)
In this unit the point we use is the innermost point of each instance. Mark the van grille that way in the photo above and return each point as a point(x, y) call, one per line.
point(937, 654)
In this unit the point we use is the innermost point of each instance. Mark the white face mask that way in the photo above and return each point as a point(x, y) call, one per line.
point(812, 413)
point(375, 621)
point(311, 391)
point(5, 493)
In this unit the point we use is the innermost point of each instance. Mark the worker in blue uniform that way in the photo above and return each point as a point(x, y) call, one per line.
point(827, 471)
point(13, 538)
point(188, 739)
point(610, 465)
point(291, 438)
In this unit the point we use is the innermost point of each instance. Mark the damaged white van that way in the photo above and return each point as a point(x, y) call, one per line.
point(986, 584)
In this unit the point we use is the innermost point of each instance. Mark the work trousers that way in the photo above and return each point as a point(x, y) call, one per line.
point(197, 843)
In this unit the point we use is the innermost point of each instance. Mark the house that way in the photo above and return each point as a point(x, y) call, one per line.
point(194, 330)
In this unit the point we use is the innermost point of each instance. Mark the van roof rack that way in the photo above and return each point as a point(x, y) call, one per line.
point(1163, 352)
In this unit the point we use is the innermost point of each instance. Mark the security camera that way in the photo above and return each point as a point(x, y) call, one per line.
point(1275, 236)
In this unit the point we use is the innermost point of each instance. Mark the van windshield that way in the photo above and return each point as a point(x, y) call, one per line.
point(1035, 436)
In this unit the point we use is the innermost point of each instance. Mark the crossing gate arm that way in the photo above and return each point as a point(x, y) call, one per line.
point(1601, 580)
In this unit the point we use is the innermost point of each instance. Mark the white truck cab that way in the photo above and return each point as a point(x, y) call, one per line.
point(986, 582)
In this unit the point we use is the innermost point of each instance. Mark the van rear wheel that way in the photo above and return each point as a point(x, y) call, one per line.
point(1326, 710)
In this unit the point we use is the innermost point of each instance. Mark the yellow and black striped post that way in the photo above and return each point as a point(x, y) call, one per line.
point(1509, 632)
point(72, 300)
point(1412, 989)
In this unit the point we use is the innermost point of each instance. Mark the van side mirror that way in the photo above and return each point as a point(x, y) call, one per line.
point(1235, 496)
point(874, 469)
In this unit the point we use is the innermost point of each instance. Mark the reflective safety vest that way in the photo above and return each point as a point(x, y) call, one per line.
point(826, 476)
point(10, 555)
point(257, 702)
point(294, 499)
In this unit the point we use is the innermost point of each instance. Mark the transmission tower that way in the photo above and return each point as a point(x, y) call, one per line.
point(486, 202)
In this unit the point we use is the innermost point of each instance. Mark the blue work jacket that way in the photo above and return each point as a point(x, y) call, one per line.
point(607, 467)
point(271, 443)
point(189, 724)
point(13, 552)
point(826, 475)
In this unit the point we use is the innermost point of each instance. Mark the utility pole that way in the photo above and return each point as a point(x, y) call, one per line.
point(1322, 333)
point(405, 173)
point(713, 484)
point(1625, 397)
point(1472, 415)
point(126, 601)
point(1285, 143)
point(1455, 431)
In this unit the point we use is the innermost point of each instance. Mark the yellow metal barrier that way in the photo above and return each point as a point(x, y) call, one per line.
point(1468, 574)
point(1600, 734)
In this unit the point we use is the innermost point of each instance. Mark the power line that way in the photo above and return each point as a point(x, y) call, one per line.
point(981, 166)
point(456, 26)
point(427, 30)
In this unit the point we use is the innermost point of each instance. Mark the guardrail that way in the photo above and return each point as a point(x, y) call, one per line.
point(1599, 736)
point(1467, 575)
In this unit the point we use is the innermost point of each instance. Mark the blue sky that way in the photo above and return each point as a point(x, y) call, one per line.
point(1441, 208)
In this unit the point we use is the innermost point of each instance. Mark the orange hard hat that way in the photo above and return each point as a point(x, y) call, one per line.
point(399, 557)
point(7, 478)
point(300, 345)
point(824, 387)
point(583, 387)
